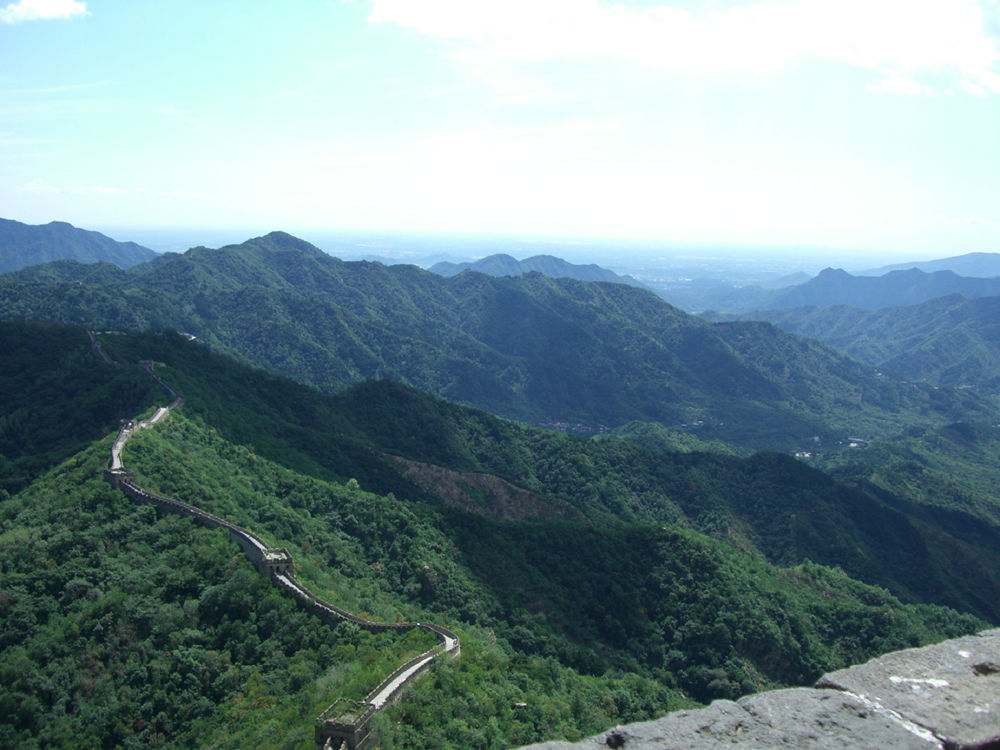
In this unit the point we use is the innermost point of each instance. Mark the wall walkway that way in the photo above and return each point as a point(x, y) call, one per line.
point(345, 724)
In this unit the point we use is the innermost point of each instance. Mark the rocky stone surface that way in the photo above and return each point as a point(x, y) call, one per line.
point(942, 696)
point(951, 688)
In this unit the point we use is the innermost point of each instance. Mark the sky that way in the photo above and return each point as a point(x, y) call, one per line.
point(869, 125)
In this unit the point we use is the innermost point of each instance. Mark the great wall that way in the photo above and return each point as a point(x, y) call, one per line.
point(945, 696)
point(345, 725)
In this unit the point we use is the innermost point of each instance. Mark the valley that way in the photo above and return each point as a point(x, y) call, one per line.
point(435, 375)
point(345, 721)
point(531, 348)
point(659, 548)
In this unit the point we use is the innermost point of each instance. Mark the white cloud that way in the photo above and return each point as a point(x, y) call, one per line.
point(973, 88)
point(891, 37)
point(901, 85)
point(39, 10)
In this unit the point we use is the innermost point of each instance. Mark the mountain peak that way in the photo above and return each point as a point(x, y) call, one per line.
point(501, 264)
point(23, 245)
point(279, 241)
point(830, 272)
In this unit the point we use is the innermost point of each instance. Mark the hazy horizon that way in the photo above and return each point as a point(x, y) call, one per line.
point(810, 124)
point(627, 256)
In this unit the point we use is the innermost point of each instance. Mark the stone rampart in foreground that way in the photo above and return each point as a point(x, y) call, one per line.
point(942, 696)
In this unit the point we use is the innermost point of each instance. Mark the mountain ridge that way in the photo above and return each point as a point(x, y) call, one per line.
point(501, 264)
point(528, 347)
point(23, 245)
point(946, 341)
point(558, 615)
point(969, 264)
point(894, 289)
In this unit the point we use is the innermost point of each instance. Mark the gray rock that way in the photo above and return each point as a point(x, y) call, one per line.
point(941, 696)
point(951, 688)
point(801, 718)
point(807, 718)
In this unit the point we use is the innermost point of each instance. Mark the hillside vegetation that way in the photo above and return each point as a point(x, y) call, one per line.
point(556, 268)
point(30, 245)
point(769, 503)
point(949, 341)
point(56, 396)
point(123, 629)
point(533, 348)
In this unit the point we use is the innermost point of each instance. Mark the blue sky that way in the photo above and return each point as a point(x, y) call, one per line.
point(858, 124)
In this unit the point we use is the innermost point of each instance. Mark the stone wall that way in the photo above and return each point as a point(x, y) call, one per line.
point(346, 723)
point(944, 696)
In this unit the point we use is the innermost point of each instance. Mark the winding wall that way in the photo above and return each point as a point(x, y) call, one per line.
point(345, 723)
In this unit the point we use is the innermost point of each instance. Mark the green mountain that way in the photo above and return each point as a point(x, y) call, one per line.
point(834, 286)
point(591, 580)
point(532, 348)
point(953, 468)
point(43, 371)
point(502, 264)
point(907, 285)
point(948, 341)
point(30, 245)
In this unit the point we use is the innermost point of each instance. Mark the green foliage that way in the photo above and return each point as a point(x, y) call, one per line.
point(658, 437)
point(948, 341)
point(122, 628)
point(681, 607)
point(27, 245)
point(952, 467)
point(496, 698)
point(768, 504)
point(56, 396)
point(532, 348)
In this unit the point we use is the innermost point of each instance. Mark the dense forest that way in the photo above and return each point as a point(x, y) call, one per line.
point(626, 579)
point(947, 341)
point(31, 245)
point(532, 348)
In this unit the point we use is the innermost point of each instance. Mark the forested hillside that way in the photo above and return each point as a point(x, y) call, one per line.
point(56, 395)
point(636, 575)
point(556, 268)
point(835, 286)
point(30, 245)
point(533, 348)
point(950, 341)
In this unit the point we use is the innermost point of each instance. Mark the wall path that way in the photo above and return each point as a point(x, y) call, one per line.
point(345, 724)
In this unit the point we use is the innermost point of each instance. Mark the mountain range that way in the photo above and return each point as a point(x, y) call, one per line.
point(531, 347)
point(24, 245)
point(376, 421)
point(501, 264)
point(616, 583)
point(833, 286)
point(949, 341)
point(969, 264)
point(894, 289)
